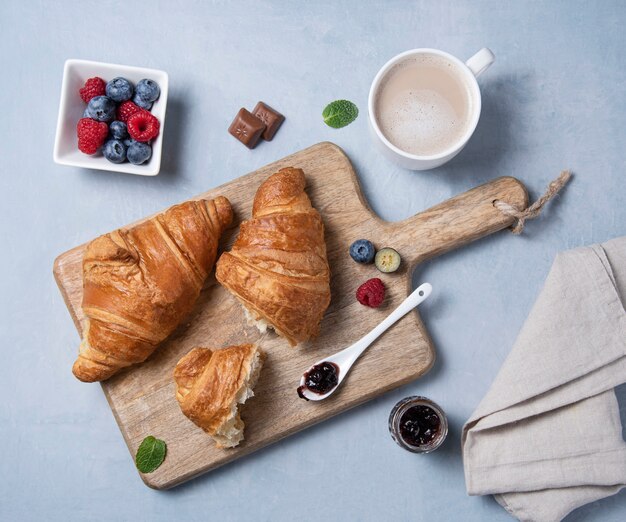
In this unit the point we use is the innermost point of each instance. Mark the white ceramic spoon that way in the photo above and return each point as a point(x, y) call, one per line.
point(346, 357)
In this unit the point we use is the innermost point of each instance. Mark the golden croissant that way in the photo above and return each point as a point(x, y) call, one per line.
point(277, 267)
point(139, 283)
point(210, 384)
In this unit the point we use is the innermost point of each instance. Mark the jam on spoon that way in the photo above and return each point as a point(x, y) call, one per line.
point(320, 379)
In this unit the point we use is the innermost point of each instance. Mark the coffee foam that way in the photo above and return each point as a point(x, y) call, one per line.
point(423, 105)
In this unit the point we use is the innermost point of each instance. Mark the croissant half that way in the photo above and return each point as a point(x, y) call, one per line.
point(210, 385)
point(139, 283)
point(277, 267)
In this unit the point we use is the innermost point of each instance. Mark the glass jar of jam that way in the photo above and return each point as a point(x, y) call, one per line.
point(418, 425)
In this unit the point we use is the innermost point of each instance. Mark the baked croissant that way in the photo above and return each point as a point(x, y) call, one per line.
point(211, 384)
point(139, 283)
point(277, 267)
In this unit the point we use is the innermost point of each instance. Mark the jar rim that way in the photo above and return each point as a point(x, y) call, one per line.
point(398, 411)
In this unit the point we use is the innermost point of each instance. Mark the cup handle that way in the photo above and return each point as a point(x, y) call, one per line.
point(481, 61)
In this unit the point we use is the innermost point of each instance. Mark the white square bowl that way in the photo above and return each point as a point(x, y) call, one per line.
point(71, 109)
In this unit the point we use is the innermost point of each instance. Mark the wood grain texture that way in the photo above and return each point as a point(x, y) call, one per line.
point(143, 398)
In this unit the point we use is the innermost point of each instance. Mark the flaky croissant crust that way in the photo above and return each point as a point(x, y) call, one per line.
point(278, 266)
point(211, 383)
point(139, 283)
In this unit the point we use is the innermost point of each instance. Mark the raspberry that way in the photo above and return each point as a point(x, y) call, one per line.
point(126, 110)
point(143, 126)
point(91, 135)
point(371, 293)
point(93, 87)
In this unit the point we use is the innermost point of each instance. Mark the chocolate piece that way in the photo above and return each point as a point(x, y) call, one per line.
point(272, 119)
point(247, 128)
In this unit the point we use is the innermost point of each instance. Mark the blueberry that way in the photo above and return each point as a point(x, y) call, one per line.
point(148, 90)
point(114, 151)
point(86, 113)
point(362, 251)
point(101, 108)
point(128, 141)
point(387, 260)
point(118, 130)
point(138, 100)
point(119, 89)
point(138, 153)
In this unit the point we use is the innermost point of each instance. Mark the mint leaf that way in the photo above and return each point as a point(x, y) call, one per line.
point(340, 113)
point(150, 455)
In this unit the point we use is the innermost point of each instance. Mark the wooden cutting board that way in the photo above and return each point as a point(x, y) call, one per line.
point(143, 398)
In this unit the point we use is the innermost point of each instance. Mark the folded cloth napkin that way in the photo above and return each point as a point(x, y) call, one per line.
point(547, 437)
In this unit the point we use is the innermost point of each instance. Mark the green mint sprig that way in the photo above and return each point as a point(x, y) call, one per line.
point(340, 113)
point(150, 454)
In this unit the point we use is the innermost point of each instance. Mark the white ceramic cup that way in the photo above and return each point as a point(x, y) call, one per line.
point(468, 72)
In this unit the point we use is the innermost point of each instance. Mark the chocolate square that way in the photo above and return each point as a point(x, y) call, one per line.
point(247, 128)
point(272, 119)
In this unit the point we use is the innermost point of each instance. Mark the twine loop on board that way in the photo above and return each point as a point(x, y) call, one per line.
point(535, 209)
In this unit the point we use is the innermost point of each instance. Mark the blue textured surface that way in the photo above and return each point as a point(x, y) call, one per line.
point(553, 99)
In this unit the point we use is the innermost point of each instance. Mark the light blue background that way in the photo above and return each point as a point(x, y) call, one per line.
point(553, 99)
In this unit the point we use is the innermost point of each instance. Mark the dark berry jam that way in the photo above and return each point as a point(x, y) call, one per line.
point(320, 379)
point(419, 425)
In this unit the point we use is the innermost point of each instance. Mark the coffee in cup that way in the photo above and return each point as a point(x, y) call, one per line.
point(423, 105)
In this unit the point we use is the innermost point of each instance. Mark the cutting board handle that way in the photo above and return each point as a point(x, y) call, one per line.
point(459, 220)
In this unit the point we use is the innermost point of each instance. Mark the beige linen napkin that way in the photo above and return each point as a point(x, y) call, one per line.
point(547, 437)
